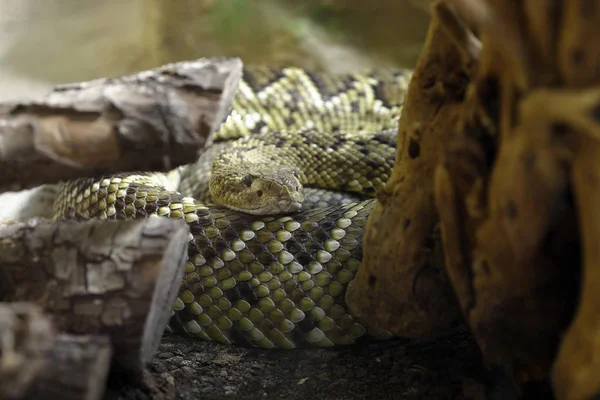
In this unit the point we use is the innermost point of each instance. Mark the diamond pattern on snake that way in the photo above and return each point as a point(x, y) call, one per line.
point(276, 206)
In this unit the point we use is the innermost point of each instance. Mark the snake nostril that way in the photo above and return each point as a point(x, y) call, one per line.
point(259, 193)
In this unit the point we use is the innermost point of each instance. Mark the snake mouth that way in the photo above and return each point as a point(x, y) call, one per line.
point(280, 209)
point(291, 206)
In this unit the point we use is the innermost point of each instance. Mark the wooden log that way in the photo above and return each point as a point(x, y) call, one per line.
point(36, 362)
point(102, 126)
point(26, 336)
point(114, 278)
point(76, 368)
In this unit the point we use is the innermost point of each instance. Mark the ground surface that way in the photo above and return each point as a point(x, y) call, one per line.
point(448, 368)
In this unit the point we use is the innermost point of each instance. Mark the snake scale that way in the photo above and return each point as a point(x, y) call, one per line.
point(272, 281)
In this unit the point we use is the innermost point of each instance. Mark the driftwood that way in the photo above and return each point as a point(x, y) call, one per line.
point(114, 278)
point(166, 115)
point(500, 126)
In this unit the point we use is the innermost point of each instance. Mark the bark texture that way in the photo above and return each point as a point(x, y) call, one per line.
point(75, 369)
point(36, 362)
point(500, 138)
point(26, 337)
point(114, 278)
point(154, 120)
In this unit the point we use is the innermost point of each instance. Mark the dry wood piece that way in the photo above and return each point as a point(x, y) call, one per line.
point(517, 191)
point(114, 278)
point(37, 363)
point(401, 285)
point(504, 107)
point(76, 369)
point(154, 120)
point(576, 373)
point(26, 336)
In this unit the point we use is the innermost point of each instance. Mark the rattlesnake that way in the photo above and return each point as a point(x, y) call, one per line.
point(279, 280)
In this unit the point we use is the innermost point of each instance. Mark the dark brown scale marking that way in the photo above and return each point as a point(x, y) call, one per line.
point(327, 225)
point(387, 138)
point(301, 236)
point(193, 248)
point(306, 325)
point(357, 251)
point(230, 234)
point(196, 229)
point(220, 244)
point(265, 325)
point(208, 252)
point(202, 241)
point(238, 224)
point(313, 247)
point(294, 246)
point(259, 125)
point(245, 292)
point(260, 78)
point(296, 295)
point(202, 213)
point(255, 246)
point(266, 258)
point(151, 208)
point(372, 163)
point(303, 257)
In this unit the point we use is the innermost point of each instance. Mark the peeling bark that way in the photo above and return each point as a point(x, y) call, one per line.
point(103, 126)
point(76, 369)
point(36, 362)
point(114, 278)
point(26, 336)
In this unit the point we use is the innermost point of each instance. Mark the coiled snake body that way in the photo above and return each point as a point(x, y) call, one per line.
point(272, 281)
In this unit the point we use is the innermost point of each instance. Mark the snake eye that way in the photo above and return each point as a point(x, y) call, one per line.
point(247, 180)
point(295, 174)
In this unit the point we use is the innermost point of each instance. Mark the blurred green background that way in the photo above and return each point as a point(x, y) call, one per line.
point(44, 42)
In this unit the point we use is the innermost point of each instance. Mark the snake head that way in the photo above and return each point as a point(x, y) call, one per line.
point(261, 189)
